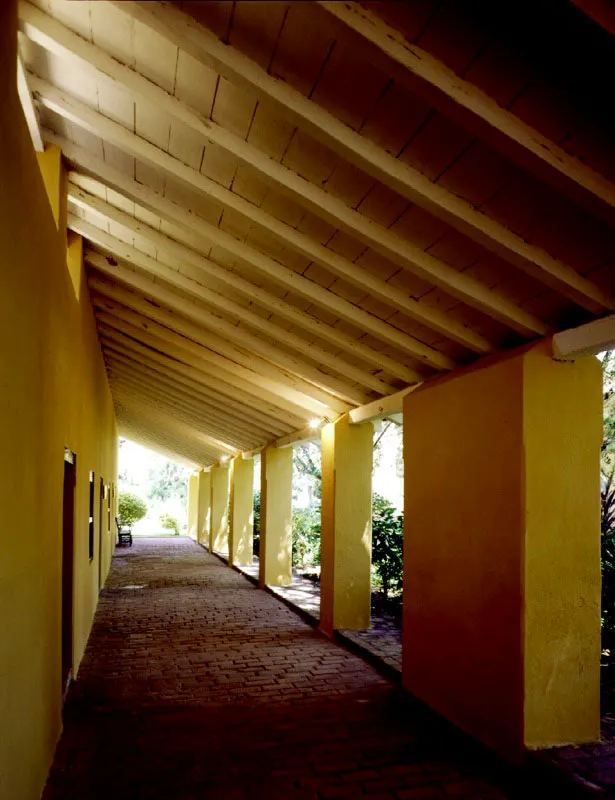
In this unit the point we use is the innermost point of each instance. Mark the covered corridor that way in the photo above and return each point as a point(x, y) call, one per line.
point(229, 227)
point(195, 684)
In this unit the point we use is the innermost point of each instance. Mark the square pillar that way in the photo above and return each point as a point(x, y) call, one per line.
point(203, 518)
point(218, 537)
point(346, 531)
point(241, 539)
point(193, 505)
point(501, 628)
point(276, 542)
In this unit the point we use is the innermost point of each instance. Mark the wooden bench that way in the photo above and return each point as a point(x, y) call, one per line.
point(124, 533)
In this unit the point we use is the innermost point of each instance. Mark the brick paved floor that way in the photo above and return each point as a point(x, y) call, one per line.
point(195, 684)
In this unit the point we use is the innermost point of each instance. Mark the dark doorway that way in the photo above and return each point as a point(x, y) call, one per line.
point(68, 529)
point(101, 526)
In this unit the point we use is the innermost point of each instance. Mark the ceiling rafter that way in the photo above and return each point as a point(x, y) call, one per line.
point(116, 295)
point(271, 419)
point(138, 290)
point(50, 34)
point(390, 245)
point(337, 264)
point(227, 369)
point(147, 409)
point(217, 377)
point(282, 275)
point(203, 45)
point(122, 376)
point(415, 61)
point(227, 419)
point(227, 423)
point(157, 268)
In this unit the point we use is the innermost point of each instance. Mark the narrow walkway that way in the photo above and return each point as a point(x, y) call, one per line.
point(195, 684)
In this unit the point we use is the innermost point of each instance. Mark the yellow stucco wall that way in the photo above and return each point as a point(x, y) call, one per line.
point(193, 506)
point(53, 394)
point(501, 549)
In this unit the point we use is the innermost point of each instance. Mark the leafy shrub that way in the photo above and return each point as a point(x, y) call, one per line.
point(387, 545)
point(257, 523)
point(607, 553)
point(130, 508)
point(306, 537)
point(167, 521)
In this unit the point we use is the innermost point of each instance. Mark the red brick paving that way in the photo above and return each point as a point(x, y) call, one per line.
point(195, 684)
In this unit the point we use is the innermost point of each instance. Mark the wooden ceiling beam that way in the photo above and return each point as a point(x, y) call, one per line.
point(133, 429)
point(204, 46)
point(275, 271)
point(218, 378)
point(149, 411)
point(138, 292)
point(221, 421)
point(184, 379)
point(272, 420)
point(173, 212)
point(117, 376)
point(124, 375)
point(591, 338)
point(29, 109)
point(227, 417)
point(114, 294)
point(489, 117)
point(160, 270)
point(392, 246)
point(222, 366)
point(52, 35)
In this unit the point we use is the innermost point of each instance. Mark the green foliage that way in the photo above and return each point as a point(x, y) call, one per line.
point(257, 523)
point(167, 521)
point(387, 545)
point(130, 508)
point(607, 553)
point(306, 537)
point(306, 464)
point(171, 481)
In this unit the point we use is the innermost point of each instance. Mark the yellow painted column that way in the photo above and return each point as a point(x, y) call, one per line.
point(203, 517)
point(193, 505)
point(74, 259)
point(241, 538)
point(346, 531)
point(218, 539)
point(501, 629)
point(275, 562)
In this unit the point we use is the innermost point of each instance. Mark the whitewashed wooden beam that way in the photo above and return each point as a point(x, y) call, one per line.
point(224, 366)
point(228, 414)
point(116, 295)
point(594, 337)
point(203, 45)
point(217, 418)
point(379, 409)
point(217, 377)
point(389, 244)
point(282, 275)
point(29, 110)
point(343, 341)
point(417, 62)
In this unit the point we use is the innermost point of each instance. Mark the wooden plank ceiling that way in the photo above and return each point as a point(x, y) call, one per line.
point(293, 209)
